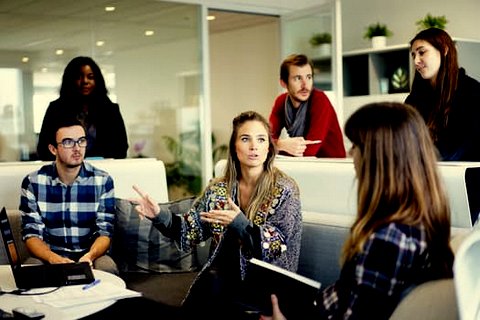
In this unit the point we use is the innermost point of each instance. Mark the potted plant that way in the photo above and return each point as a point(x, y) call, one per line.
point(184, 174)
point(377, 33)
point(322, 42)
point(430, 21)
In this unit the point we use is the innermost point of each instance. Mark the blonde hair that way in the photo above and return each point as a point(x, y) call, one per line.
point(397, 178)
point(267, 179)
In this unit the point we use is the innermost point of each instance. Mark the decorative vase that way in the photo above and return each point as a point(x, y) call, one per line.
point(324, 50)
point(379, 42)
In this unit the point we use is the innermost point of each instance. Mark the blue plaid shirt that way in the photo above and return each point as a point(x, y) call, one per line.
point(394, 259)
point(67, 217)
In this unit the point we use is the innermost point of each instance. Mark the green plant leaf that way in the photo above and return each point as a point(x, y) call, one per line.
point(399, 79)
point(430, 21)
point(185, 171)
point(320, 38)
point(377, 29)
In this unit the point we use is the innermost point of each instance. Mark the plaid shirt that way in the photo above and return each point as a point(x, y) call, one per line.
point(67, 217)
point(394, 259)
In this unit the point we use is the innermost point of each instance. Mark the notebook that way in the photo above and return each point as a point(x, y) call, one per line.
point(39, 276)
point(296, 294)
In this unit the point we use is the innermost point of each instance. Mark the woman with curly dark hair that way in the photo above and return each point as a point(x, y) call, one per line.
point(84, 95)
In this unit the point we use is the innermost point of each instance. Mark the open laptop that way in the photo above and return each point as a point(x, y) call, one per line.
point(41, 275)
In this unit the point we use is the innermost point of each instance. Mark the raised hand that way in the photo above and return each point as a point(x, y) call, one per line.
point(145, 205)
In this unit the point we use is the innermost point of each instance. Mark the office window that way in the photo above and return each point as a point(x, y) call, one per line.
point(149, 53)
point(11, 113)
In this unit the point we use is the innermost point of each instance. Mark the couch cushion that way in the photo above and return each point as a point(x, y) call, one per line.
point(139, 246)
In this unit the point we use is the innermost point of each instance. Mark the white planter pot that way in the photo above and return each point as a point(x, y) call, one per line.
point(323, 50)
point(379, 42)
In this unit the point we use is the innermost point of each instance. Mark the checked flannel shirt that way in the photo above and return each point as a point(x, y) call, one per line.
point(67, 217)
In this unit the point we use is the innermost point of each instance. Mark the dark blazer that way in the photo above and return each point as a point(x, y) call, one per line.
point(110, 139)
point(460, 140)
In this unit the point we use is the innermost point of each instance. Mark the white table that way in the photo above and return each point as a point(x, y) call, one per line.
point(9, 301)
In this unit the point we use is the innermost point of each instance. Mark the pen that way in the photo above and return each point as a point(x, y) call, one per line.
point(91, 284)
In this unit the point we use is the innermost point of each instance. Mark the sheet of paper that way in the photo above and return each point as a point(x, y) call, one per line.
point(70, 296)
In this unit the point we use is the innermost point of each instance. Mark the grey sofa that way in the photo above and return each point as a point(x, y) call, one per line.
point(151, 264)
point(169, 286)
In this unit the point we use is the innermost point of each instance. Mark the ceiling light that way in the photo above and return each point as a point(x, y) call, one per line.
point(149, 33)
point(59, 52)
point(109, 8)
point(210, 18)
point(25, 59)
point(100, 43)
point(44, 69)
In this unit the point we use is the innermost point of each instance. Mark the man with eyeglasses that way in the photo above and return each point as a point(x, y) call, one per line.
point(68, 206)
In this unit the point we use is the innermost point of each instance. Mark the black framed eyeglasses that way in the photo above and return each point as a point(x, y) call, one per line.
point(69, 143)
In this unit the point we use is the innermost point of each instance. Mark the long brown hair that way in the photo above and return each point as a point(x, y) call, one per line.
point(267, 180)
point(397, 178)
point(445, 82)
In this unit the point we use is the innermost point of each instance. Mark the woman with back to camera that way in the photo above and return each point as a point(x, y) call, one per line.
point(84, 92)
point(400, 237)
point(447, 99)
point(252, 211)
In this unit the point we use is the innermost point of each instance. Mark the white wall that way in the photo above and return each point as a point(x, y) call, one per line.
point(244, 74)
point(400, 17)
point(150, 94)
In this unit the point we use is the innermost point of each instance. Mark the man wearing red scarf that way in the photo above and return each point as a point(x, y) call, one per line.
point(306, 113)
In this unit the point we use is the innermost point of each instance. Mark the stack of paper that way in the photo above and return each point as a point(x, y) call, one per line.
point(70, 296)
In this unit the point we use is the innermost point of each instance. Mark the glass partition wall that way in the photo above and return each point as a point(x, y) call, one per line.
point(316, 33)
point(150, 55)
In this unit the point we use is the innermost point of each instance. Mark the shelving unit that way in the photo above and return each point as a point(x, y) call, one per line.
point(370, 71)
point(322, 73)
point(363, 71)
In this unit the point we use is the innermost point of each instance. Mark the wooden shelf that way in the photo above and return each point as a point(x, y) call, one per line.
point(370, 71)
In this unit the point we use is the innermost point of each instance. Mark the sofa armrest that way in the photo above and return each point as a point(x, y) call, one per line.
point(430, 300)
point(322, 240)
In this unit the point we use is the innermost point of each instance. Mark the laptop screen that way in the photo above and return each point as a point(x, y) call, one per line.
point(8, 239)
point(44, 275)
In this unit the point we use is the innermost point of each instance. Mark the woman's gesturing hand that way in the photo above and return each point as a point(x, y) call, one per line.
point(145, 205)
point(223, 216)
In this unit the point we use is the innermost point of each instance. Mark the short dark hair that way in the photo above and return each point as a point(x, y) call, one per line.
point(298, 60)
point(69, 120)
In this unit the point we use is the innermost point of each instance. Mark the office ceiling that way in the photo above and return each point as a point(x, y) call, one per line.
point(275, 7)
point(229, 20)
point(36, 28)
